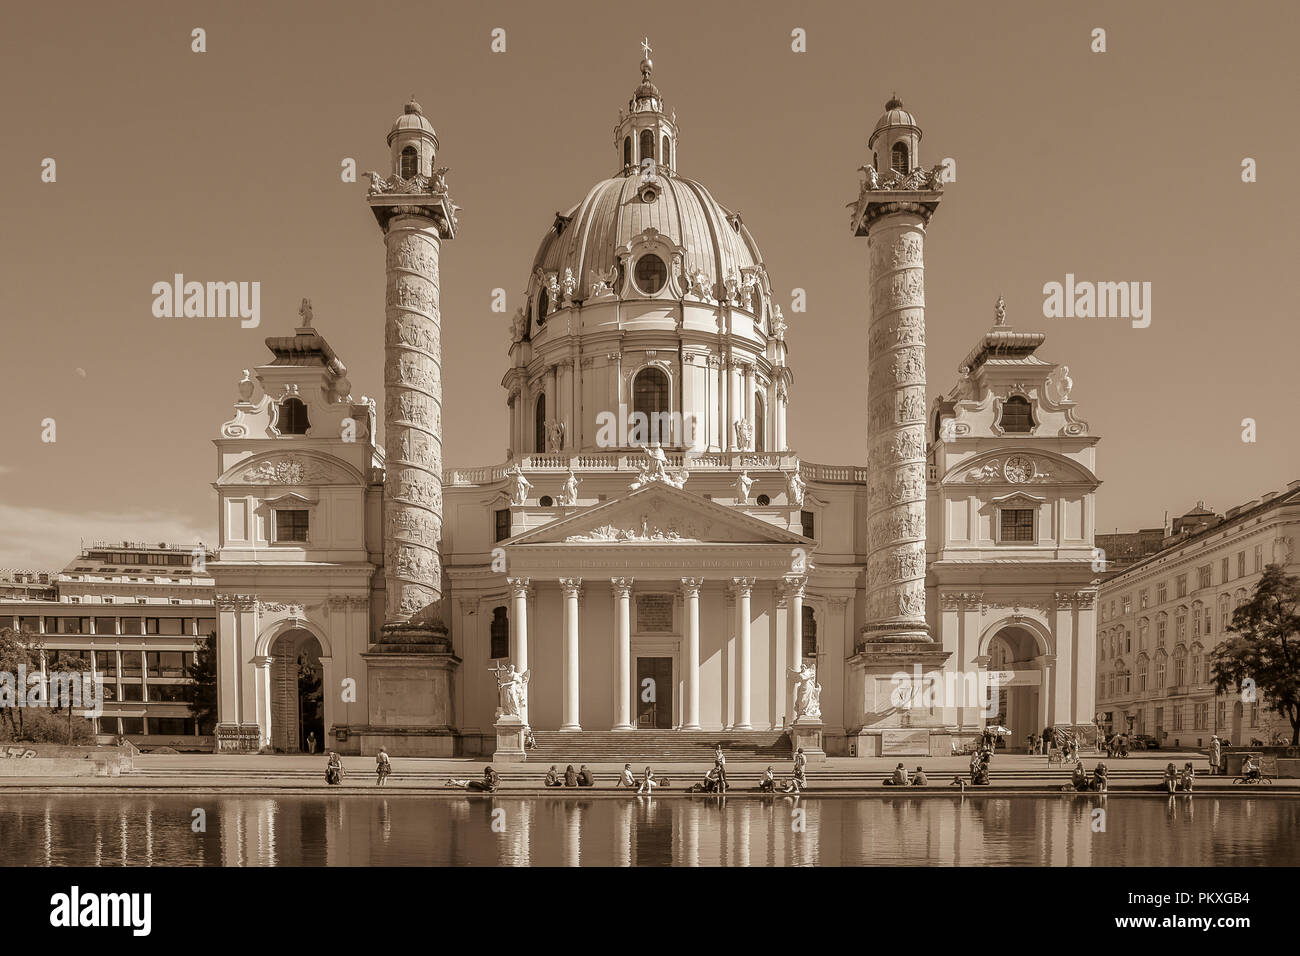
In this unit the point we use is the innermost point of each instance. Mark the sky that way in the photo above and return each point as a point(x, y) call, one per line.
point(1123, 165)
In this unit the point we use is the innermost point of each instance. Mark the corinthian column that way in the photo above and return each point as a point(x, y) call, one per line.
point(894, 222)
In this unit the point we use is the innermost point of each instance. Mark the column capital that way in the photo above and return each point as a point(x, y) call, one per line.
point(518, 586)
point(262, 660)
point(622, 587)
point(794, 584)
point(743, 586)
point(691, 586)
point(572, 587)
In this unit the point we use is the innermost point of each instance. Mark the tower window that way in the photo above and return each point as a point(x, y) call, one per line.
point(627, 150)
point(647, 145)
point(1017, 416)
point(1016, 524)
point(898, 159)
point(410, 162)
point(292, 419)
point(808, 524)
point(650, 398)
point(503, 523)
point(666, 156)
point(539, 425)
point(500, 633)
point(543, 306)
point(651, 274)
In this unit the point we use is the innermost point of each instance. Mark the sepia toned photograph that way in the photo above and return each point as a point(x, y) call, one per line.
point(751, 435)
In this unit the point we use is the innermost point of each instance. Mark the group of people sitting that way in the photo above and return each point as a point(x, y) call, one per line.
point(900, 778)
point(1080, 781)
point(1176, 781)
point(571, 777)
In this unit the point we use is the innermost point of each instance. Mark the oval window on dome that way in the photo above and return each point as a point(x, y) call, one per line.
point(651, 274)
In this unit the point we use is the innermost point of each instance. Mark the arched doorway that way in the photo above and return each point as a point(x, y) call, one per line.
point(1020, 685)
point(297, 697)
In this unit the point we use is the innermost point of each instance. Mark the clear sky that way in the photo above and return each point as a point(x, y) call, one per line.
point(224, 166)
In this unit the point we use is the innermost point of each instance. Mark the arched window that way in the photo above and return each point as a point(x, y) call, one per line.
point(666, 155)
point(500, 633)
point(539, 425)
point(809, 632)
point(410, 162)
point(898, 158)
point(650, 398)
point(759, 421)
point(1016, 415)
point(292, 419)
point(627, 150)
point(647, 145)
point(543, 306)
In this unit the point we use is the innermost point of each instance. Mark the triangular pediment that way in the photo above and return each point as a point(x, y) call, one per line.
point(658, 514)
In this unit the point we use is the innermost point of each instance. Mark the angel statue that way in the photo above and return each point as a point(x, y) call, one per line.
point(794, 487)
point(807, 692)
point(513, 687)
point(742, 486)
point(569, 494)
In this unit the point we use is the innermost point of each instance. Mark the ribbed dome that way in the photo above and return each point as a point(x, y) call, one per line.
point(894, 115)
point(613, 213)
point(412, 118)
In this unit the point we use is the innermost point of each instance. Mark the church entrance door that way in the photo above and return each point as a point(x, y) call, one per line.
point(654, 693)
point(297, 702)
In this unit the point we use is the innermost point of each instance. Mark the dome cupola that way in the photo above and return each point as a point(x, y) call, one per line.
point(645, 137)
point(895, 140)
point(413, 143)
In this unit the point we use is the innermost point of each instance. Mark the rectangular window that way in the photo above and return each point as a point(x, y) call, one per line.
point(207, 625)
point(1017, 524)
point(1178, 717)
point(170, 626)
point(1142, 599)
point(1203, 577)
point(106, 663)
point(131, 625)
point(171, 726)
point(1223, 571)
point(132, 691)
point(105, 625)
point(1220, 713)
point(654, 612)
point(1161, 626)
point(1162, 592)
point(132, 725)
point(1259, 558)
point(503, 524)
point(290, 525)
point(1180, 586)
point(1202, 715)
point(808, 524)
point(32, 625)
point(1241, 564)
point(1127, 604)
point(167, 693)
point(1254, 714)
point(131, 664)
point(166, 663)
point(1142, 679)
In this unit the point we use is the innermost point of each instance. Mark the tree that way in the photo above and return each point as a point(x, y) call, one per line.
point(201, 692)
point(18, 649)
point(1262, 655)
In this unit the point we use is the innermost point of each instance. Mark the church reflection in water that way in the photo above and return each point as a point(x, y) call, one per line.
point(168, 829)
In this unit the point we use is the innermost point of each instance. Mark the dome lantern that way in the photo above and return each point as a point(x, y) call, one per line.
point(412, 142)
point(896, 139)
point(645, 138)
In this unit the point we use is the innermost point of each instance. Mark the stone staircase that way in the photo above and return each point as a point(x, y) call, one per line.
point(613, 746)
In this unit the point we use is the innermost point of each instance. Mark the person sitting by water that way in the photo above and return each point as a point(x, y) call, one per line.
point(1187, 778)
point(570, 776)
point(899, 779)
point(491, 780)
point(648, 782)
point(1170, 781)
point(919, 779)
point(382, 767)
point(1079, 778)
point(585, 779)
point(713, 781)
point(797, 783)
point(980, 775)
point(626, 778)
point(1099, 779)
point(334, 769)
point(767, 782)
point(553, 777)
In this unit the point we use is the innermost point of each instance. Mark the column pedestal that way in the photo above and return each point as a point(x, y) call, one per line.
point(510, 740)
point(878, 676)
point(806, 732)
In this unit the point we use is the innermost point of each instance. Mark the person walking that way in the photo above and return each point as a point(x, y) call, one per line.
point(311, 741)
point(382, 767)
point(1216, 754)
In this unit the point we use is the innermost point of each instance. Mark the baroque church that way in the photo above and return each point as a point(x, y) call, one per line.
point(653, 560)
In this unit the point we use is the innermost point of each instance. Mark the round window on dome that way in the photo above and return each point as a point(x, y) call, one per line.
point(651, 274)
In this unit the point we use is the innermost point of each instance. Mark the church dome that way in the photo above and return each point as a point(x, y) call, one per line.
point(894, 115)
point(588, 237)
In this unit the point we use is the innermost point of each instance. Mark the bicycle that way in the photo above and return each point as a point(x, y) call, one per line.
point(1259, 778)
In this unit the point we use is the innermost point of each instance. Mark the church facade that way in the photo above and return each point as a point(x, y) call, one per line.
point(653, 555)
